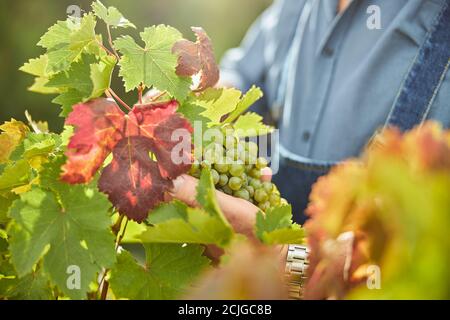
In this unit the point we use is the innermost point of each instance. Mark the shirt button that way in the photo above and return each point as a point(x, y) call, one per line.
point(328, 52)
point(306, 136)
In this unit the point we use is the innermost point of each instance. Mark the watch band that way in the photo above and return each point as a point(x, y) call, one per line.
point(296, 267)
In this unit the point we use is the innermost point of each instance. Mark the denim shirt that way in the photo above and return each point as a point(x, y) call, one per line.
point(329, 79)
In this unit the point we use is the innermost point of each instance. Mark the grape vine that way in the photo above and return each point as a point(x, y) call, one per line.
point(69, 201)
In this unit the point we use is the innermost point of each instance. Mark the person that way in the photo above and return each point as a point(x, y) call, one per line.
point(334, 72)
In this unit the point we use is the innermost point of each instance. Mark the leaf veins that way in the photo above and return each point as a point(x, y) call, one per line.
point(134, 182)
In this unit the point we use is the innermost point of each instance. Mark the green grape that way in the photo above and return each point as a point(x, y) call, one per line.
point(247, 158)
point(264, 206)
point(230, 142)
point(260, 195)
point(248, 167)
point(237, 169)
point(274, 200)
point(244, 177)
point(232, 154)
point(235, 183)
point(250, 190)
point(255, 183)
point(226, 189)
point(275, 190)
point(215, 176)
point(222, 167)
point(268, 186)
point(255, 173)
point(205, 164)
point(261, 163)
point(243, 194)
point(223, 180)
point(195, 170)
point(252, 148)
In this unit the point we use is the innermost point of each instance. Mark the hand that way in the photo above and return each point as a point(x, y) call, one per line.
point(240, 213)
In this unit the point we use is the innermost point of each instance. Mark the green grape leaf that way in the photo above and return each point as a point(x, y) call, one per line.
point(111, 16)
point(153, 65)
point(85, 80)
point(12, 133)
point(251, 125)
point(38, 68)
point(66, 40)
point(34, 286)
point(253, 95)
point(15, 174)
point(180, 224)
point(67, 229)
point(36, 147)
point(217, 103)
point(67, 100)
point(177, 223)
point(169, 270)
point(193, 112)
point(37, 126)
point(206, 196)
point(276, 227)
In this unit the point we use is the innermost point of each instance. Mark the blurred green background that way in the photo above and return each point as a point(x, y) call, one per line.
point(22, 22)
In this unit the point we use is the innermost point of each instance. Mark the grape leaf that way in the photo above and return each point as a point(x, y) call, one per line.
point(111, 16)
point(134, 182)
point(34, 286)
point(66, 40)
point(253, 95)
point(181, 224)
point(217, 103)
point(13, 133)
point(71, 230)
point(177, 223)
point(99, 124)
point(197, 58)
point(86, 79)
point(38, 68)
point(250, 125)
point(153, 65)
point(37, 126)
point(35, 148)
point(168, 270)
point(276, 227)
point(67, 100)
point(15, 175)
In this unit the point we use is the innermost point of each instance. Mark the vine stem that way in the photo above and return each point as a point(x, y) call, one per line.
point(140, 92)
point(159, 95)
point(106, 49)
point(104, 284)
point(118, 99)
point(108, 28)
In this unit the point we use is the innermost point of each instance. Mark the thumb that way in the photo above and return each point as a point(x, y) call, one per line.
point(185, 190)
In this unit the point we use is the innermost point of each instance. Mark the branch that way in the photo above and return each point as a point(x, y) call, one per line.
point(104, 285)
point(111, 42)
point(118, 99)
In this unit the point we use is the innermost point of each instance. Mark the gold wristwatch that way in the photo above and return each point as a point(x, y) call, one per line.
point(296, 266)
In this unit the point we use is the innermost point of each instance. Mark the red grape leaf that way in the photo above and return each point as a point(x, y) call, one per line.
point(134, 182)
point(99, 126)
point(197, 58)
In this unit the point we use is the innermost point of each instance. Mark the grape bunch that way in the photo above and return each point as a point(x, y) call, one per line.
point(237, 170)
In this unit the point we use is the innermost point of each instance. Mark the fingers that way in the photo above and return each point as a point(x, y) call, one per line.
point(240, 213)
point(266, 174)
